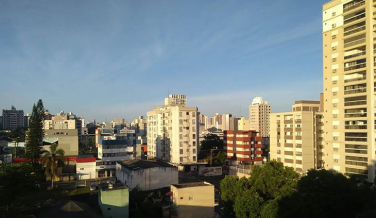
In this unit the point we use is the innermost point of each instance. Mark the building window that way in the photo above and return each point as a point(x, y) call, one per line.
point(181, 151)
point(181, 159)
point(190, 198)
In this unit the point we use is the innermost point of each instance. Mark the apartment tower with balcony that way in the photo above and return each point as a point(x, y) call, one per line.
point(244, 147)
point(349, 40)
point(296, 136)
point(259, 116)
point(173, 131)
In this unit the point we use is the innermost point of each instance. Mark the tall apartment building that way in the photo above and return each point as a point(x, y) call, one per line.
point(140, 125)
point(63, 121)
point(295, 137)
point(349, 87)
point(173, 131)
point(112, 148)
point(259, 116)
point(13, 119)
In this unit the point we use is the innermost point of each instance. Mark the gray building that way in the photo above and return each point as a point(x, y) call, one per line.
point(12, 119)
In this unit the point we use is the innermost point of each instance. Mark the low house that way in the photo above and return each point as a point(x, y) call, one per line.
point(85, 168)
point(146, 174)
point(113, 200)
point(192, 200)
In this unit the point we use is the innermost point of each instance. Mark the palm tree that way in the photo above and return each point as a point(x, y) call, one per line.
point(51, 160)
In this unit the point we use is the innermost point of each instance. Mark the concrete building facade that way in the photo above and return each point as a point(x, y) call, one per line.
point(112, 148)
point(146, 174)
point(294, 136)
point(243, 147)
point(259, 116)
point(173, 131)
point(193, 199)
point(12, 119)
point(349, 87)
point(67, 139)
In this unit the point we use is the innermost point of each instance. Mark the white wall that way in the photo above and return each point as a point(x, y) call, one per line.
point(85, 170)
point(147, 179)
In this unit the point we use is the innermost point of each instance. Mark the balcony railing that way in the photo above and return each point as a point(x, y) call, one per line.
point(349, 115)
point(353, 103)
point(355, 30)
point(349, 7)
point(355, 42)
point(356, 127)
point(355, 91)
point(354, 18)
point(356, 139)
point(354, 67)
point(356, 55)
point(355, 79)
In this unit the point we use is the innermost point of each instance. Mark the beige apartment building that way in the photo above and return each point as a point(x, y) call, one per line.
point(349, 86)
point(259, 116)
point(173, 131)
point(192, 200)
point(295, 137)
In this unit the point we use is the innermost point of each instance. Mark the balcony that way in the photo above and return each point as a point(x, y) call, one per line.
point(355, 66)
point(353, 5)
point(354, 42)
point(355, 55)
point(354, 30)
point(354, 17)
point(355, 91)
point(356, 127)
point(354, 103)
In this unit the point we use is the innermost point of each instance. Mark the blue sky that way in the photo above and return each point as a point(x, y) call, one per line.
point(106, 59)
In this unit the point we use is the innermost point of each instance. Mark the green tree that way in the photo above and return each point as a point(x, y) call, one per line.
point(322, 193)
point(248, 204)
point(211, 141)
point(258, 196)
point(15, 181)
point(273, 180)
point(220, 159)
point(51, 160)
point(35, 133)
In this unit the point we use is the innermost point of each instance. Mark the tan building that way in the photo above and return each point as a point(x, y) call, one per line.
point(243, 124)
point(67, 139)
point(293, 136)
point(259, 116)
point(173, 131)
point(349, 94)
point(191, 200)
point(63, 121)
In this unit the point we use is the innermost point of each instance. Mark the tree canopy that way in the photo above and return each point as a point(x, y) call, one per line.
point(276, 191)
point(35, 133)
point(251, 197)
point(211, 141)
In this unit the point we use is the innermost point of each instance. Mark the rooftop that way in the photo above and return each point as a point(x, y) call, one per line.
point(191, 184)
point(116, 186)
point(143, 164)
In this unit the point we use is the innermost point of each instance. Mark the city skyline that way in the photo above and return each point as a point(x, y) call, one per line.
point(118, 59)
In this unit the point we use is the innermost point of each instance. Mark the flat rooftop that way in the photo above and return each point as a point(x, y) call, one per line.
point(191, 184)
point(143, 164)
point(116, 186)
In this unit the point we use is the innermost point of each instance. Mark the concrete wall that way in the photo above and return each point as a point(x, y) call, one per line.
point(147, 179)
point(192, 202)
point(114, 203)
point(67, 140)
point(85, 170)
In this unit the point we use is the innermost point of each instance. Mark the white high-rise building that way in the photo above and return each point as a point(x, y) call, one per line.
point(259, 116)
point(173, 131)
